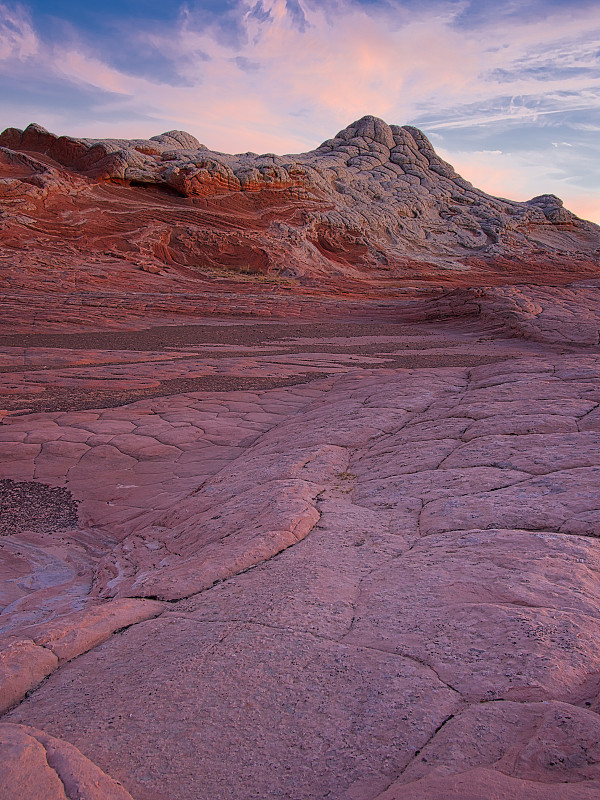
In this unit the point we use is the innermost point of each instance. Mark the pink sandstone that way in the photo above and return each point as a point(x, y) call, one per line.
point(291, 506)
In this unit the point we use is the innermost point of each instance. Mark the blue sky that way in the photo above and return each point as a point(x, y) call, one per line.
point(508, 92)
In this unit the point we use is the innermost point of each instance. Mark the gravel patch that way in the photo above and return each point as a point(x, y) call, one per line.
point(32, 506)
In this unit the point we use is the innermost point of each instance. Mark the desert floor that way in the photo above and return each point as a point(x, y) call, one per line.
point(354, 557)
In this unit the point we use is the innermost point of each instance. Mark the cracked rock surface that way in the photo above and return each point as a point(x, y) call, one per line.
point(372, 575)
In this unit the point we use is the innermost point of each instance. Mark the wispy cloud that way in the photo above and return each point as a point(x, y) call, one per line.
point(281, 75)
point(18, 39)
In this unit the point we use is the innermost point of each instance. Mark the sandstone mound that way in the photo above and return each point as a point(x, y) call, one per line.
point(375, 201)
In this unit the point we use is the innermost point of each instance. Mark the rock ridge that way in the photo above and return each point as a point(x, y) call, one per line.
point(374, 201)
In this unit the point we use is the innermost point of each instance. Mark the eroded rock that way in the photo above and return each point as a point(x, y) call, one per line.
point(401, 644)
point(374, 202)
point(36, 766)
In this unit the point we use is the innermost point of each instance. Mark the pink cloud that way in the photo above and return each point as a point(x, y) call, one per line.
point(18, 39)
point(392, 64)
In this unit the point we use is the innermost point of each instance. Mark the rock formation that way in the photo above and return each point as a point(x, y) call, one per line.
point(374, 202)
point(309, 506)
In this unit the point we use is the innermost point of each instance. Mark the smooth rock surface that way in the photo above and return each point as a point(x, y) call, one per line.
point(34, 764)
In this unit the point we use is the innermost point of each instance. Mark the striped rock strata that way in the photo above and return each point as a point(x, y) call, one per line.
point(376, 201)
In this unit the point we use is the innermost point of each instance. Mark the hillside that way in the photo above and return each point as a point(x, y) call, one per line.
point(374, 203)
point(300, 487)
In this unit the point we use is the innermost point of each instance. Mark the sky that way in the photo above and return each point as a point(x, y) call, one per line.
point(508, 92)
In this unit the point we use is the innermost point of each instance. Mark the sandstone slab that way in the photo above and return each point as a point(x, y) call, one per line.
point(341, 614)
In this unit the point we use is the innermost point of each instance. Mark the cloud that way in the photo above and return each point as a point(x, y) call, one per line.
point(329, 63)
point(282, 75)
point(18, 39)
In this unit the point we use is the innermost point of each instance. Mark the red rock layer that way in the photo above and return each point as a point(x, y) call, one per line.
point(351, 555)
point(375, 202)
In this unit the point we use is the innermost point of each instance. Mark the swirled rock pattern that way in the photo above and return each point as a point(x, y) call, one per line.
point(375, 202)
